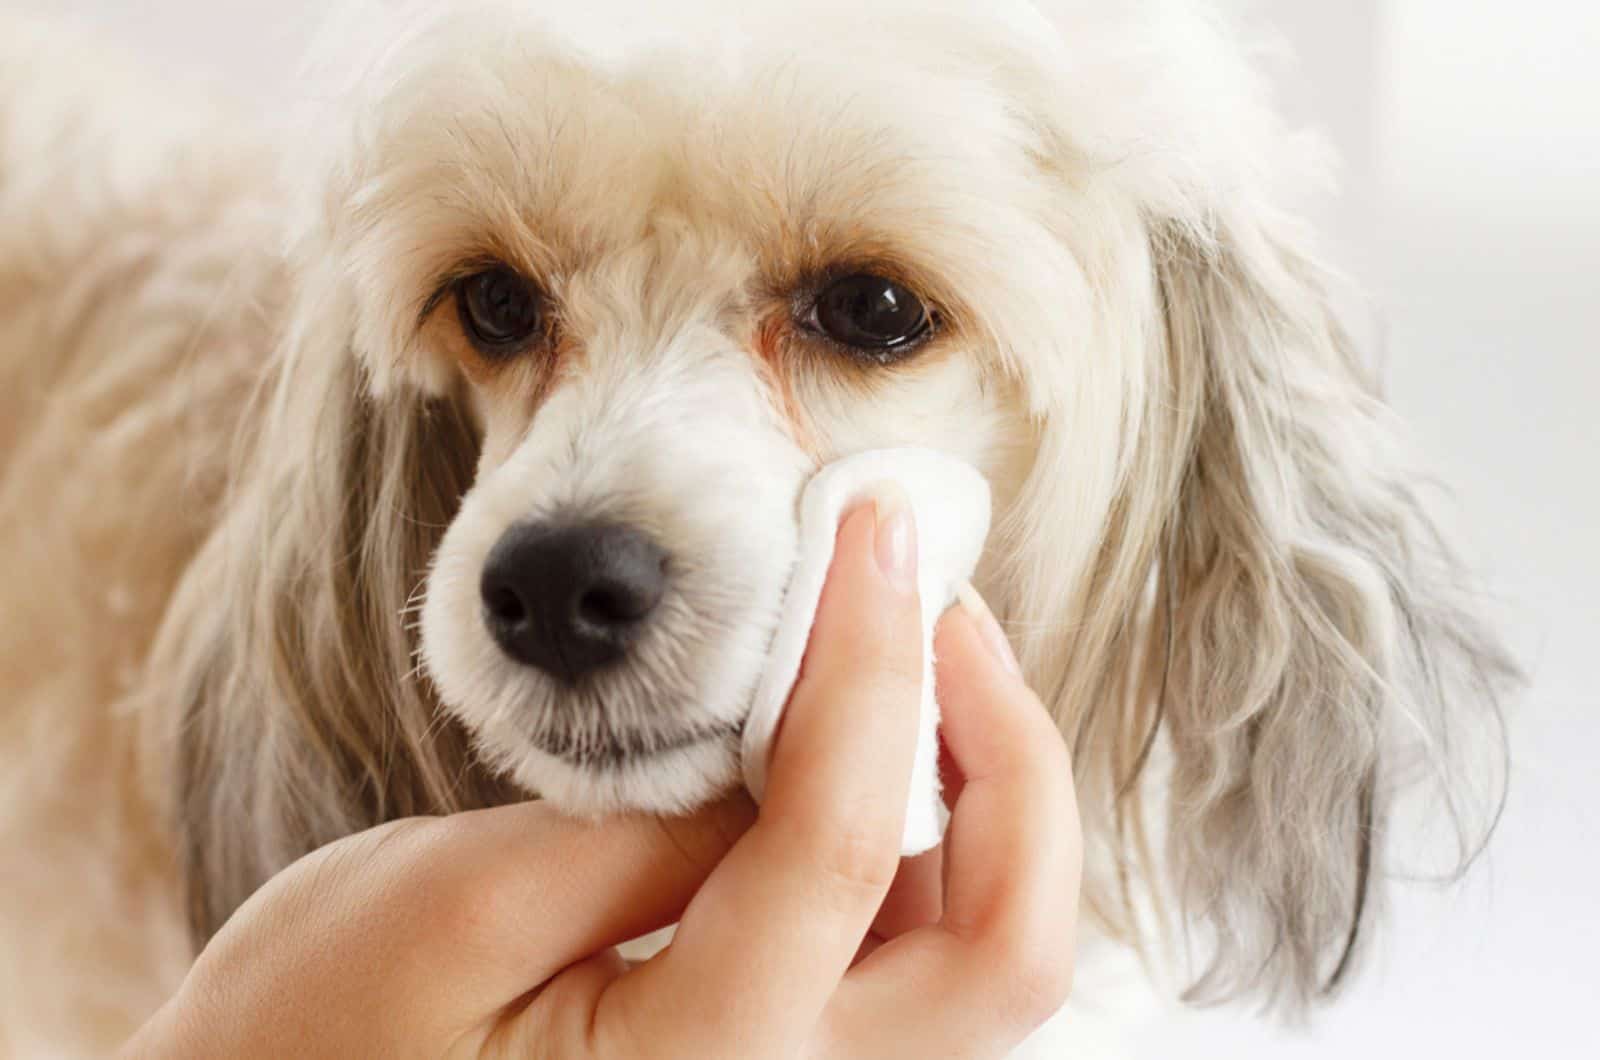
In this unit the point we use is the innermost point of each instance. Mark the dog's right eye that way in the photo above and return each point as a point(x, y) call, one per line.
point(876, 318)
point(500, 310)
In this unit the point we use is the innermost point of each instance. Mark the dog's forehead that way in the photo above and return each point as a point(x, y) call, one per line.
point(605, 112)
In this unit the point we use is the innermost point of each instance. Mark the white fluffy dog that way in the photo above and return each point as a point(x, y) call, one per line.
point(461, 463)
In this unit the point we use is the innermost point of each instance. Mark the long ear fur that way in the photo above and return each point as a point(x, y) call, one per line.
point(1323, 652)
point(1274, 605)
point(1268, 628)
point(301, 715)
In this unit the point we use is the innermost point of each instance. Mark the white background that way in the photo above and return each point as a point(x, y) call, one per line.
point(1471, 211)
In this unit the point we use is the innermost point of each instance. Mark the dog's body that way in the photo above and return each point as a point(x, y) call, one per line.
point(134, 280)
point(226, 472)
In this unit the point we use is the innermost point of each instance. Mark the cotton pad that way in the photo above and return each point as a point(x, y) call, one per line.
point(950, 502)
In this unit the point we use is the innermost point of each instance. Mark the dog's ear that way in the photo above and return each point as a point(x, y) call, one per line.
point(1221, 573)
point(1321, 648)
point(301, 714)
point(1275, 606)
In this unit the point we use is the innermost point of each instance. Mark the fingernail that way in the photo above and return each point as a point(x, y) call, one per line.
point(989, 629)
point(896, 541)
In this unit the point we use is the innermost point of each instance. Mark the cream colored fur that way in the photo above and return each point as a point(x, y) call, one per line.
point(249, 470)
point(133, 286)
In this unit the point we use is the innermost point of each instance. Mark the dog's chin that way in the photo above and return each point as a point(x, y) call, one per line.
point(674, 779)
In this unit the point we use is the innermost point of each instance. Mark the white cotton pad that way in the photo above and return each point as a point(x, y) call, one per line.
point(950, 502)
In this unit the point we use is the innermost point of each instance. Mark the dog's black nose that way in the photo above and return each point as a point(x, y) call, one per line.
point(570, 599)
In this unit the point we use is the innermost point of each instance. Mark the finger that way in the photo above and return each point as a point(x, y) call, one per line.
point(554, 1021)
point(950, 779)
point(915, 899)
point(768, 937)
point(497, 901)
point(1020, 849)
point(999, 962)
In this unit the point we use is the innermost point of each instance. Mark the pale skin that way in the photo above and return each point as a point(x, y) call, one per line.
point(801, 931)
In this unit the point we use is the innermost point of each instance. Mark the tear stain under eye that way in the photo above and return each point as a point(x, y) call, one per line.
point(522, 385)
point(564, 362)
point(771, 344)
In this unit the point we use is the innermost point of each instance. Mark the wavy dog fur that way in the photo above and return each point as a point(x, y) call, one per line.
point(1211, 547)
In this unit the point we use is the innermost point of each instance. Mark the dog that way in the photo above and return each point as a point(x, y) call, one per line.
point(439, 444)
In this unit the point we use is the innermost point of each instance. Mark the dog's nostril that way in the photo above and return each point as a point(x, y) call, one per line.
point(570, 599)
point(610, 604)
point(504, 604)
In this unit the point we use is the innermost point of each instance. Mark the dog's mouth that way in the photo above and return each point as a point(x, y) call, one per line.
point(613, 750)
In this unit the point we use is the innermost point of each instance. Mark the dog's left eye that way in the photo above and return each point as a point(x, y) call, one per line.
point(872, 315)
point(500, 310)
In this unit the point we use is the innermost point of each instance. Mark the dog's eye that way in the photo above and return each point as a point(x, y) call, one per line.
point(500, 310)
point(871, 314)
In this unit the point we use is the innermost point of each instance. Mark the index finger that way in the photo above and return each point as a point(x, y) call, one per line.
point(501, 899)
point(772, 932)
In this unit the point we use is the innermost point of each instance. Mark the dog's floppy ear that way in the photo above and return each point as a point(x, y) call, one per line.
point(301, 714)
point(1266, 631)
point(1275, 606)
point(1319, 649)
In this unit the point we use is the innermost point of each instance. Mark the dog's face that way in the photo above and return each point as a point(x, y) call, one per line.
point(672, 284)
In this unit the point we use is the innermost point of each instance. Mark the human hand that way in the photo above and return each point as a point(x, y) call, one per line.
point(801, 932)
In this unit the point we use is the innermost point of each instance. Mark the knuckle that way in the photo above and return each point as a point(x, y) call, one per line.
point(901, 673)
point(457, 896)
point(410, 841)
point(1035, 973)
point(1042, 989)
point(621, 1030)
point(881, 658)
point(417, 850)
point(388, 857)
point(875, 696)
point(873, 676)
point(872, 641)
point(700, 842)
point(853, 854)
